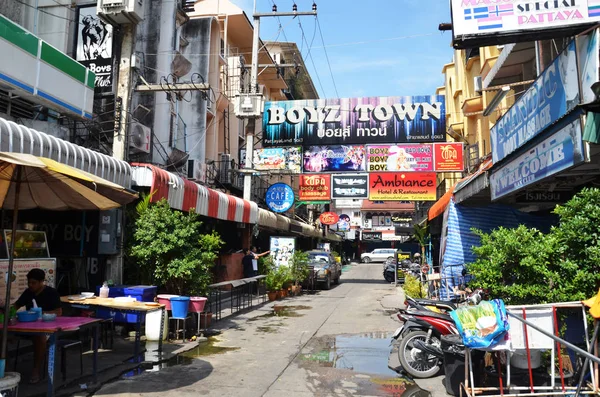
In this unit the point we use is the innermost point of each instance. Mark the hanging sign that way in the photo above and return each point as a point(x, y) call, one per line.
point(329, 218)
point(448, 157)
point(344, 223)
point(402, 186)
point(399, 158)
point(273, 159)
point(350, 186)
point(279, 197)
point(355, 121)
point(560, 151)
point(315, 187)
point(334, 158)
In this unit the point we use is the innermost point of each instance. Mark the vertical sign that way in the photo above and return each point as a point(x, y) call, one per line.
point(94, 48)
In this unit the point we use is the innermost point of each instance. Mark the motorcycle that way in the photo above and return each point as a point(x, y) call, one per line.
point(429, 304)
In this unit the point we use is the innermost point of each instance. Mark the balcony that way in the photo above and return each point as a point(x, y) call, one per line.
point(224, 175)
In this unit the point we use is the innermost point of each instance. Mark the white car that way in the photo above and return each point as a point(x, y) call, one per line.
point(378, 255)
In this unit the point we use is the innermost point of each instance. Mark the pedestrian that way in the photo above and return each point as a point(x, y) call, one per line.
point(256, 255)
point(46, 298)
point(247, 263)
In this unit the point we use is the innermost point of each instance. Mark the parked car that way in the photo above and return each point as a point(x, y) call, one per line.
point(327, 269)
point(378, 255)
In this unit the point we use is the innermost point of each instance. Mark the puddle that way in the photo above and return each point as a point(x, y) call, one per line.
point(207, 349)
point(267, 329)
point(399, 387)
point(283, 311)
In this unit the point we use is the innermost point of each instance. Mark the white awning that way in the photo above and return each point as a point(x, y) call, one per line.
point(20, 139)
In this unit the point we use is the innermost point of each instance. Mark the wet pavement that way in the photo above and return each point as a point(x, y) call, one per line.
point(332, 343)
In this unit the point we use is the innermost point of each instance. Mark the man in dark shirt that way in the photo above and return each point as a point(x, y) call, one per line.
point(247, 263)
point(49, 300)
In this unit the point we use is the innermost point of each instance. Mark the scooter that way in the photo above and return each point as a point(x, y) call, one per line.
point(429, 304)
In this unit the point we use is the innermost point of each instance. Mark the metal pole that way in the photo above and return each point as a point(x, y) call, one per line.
point(587, 360)
point(124, 91)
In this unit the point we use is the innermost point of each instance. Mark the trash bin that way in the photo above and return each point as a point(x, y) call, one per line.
point(454, 363)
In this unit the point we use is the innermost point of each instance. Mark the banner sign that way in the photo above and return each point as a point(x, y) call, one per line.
point(94, 48)
point(344, 223)
point(402, 256)
point(560, 151)
point(495, 18)
point(551, 96)
point(448, 157)
point(329, 218)
point(399, 186)
point(544, 196)
point(400, 158)
point(350, 186)
point(279, 197)
point(315, 187)
point(355, 121)
point(334, 158)
point(282, 250)
point(272, 159)
point(371, 236)
point(587, 54)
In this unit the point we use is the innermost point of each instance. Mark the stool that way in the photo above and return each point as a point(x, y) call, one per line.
point(177, 320)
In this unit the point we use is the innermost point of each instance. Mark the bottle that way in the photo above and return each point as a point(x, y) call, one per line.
point(104, 290)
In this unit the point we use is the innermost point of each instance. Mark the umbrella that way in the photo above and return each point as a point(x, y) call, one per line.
point(28, 182)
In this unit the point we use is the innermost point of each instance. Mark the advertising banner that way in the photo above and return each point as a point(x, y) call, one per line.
point(372, 236)
point(400, 186)
point(350, 186)
point(94, 48)
point(481, 18)
point(355, 121)
point(587, 53)
point(315, 187)
point(560, 151)
point(283, 158)
point(343, 224)
point(279, 197)
point(400, 158)
point(334, 158)
point(448, 157)
point(282, 249)
point(20, 269)
point(551, 96)
point(329, 218)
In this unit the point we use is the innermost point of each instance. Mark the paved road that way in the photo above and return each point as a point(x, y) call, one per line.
point(333, 343)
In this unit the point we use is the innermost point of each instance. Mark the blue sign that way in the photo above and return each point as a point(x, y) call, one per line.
point(562, 150)
point(552, 95)
point(279, 197)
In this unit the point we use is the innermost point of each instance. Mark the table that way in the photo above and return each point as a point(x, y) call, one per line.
point(136, 307)
point(238, 293)
point(53, 329)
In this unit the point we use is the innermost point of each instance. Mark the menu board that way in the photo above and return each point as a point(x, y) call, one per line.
point(19, 279)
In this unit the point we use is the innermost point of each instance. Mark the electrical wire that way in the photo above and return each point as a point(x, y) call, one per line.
point(45, 12)
point(327, 57)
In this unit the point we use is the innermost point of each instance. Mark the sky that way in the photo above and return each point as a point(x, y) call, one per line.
point(368, 43)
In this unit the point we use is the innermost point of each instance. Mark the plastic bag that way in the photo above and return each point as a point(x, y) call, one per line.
point(483, 325)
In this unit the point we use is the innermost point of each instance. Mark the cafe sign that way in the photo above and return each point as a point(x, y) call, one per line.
point(315, 187)
point(329, 218)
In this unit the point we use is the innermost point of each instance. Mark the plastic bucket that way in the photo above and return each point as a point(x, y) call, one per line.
point(197, 304)
point(180, 306)
point(165, 299)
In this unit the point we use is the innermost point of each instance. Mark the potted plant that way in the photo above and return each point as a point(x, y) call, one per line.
point(271, 284)
point(281, 276)
point(299, 270)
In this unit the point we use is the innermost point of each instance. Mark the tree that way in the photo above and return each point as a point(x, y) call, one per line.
point(421, 234)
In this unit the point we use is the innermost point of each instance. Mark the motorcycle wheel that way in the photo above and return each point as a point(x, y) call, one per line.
point(416, 362)
point(388, 277)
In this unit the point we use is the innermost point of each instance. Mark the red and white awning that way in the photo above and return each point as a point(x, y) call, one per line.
point(184, 195)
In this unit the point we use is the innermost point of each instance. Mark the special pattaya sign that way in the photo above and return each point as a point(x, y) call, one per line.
point(273, 159)
point(552, 95)
point(315, 187)
point(355, 121)
point(402, 186)
point(400, 158)
point(448, 157)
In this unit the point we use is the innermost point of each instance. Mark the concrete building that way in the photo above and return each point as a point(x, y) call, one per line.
point(300, 84)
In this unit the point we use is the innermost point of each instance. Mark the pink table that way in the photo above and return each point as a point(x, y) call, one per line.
point(52, 329)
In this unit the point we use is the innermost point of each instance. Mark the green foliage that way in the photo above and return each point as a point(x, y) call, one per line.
point(170, 244)
point(525, 266)
point(299, 267)
point(421, 234)
point(413, 287)
point(277, 277)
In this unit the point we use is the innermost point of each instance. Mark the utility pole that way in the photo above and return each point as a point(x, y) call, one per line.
point(251, 126)
point(123, 92)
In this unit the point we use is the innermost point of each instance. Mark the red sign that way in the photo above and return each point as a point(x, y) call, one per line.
point(329, 218)
point(449, 157)
point(402, 186)
point(315, 187)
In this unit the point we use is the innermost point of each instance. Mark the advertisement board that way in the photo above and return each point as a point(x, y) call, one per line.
point(400, 186)
point(350, 186)
point(282, 249)
point(279, 197)
point(400, 158)
point(562, 150)
point(20, 269)
point(448, 157)
point(355, 121)
point(334, 158)
point(343, 224)
point(94, 48)
point(493, 19)
point(283, 158)
point(371, 236)
point(551, 96)
point(329, 218)
point(587, 53)
point(314, 187)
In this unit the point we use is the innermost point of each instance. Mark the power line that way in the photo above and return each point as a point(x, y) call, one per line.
point(45, 12)
point(327, 57)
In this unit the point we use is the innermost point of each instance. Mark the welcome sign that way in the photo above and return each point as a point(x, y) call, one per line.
point(355, 121)
point(560, 151)
point(552, 95)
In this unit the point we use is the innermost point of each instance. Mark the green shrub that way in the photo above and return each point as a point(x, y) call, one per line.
point(413, 287)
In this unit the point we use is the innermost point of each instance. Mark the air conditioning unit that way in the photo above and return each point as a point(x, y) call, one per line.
point(140, 137)
point(196, 171)
point(225, 168)
point(477, 84)
point(118, 12)
point(248, 105)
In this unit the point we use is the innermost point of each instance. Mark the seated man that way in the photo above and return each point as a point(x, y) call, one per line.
point(48, 299)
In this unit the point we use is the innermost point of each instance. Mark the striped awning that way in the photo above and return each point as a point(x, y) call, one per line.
point(183, 194)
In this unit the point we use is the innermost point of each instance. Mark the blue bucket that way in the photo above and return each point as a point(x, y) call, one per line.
point(180, 306)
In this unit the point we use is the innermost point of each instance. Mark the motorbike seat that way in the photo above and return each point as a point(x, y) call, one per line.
point(431, 302)
point(423, 313)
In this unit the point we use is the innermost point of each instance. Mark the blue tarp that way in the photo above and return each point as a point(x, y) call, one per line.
point(460, 239)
